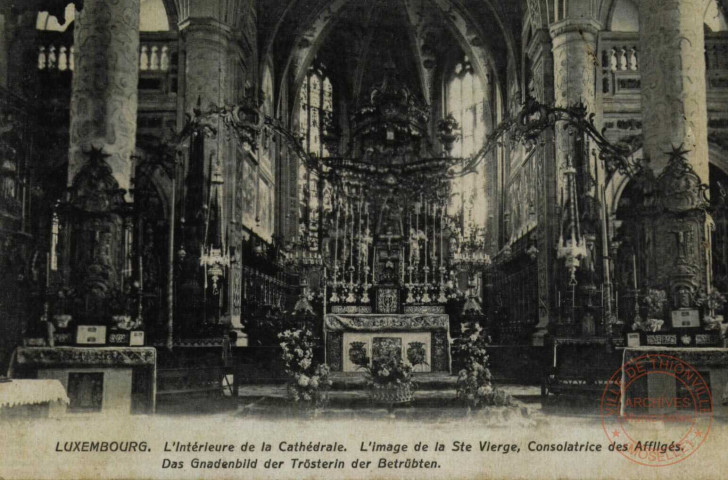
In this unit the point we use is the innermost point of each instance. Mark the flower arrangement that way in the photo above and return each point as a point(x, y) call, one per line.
point(309, 382)
point(474, 384)
point(389, 378)
point(710, 301)
point(653, 302)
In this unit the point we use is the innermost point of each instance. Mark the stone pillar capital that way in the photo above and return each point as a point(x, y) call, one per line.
point(205, 26)
point(578, 28)
point(219, 13)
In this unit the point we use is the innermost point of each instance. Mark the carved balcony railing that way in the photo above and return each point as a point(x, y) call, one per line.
point(619, 63)
point(158, 57)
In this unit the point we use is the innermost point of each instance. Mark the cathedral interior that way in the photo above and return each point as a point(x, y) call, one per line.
point(196, 176)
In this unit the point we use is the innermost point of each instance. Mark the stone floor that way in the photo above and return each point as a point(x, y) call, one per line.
point(434, 401)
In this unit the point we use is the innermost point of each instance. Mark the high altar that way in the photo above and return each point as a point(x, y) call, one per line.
point(385, 243)
point(397, 298)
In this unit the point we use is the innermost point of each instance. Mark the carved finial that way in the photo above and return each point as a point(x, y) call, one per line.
point(96, 155)
point(678, 152)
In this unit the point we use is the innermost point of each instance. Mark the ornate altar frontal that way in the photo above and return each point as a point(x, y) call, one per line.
point(350, 337)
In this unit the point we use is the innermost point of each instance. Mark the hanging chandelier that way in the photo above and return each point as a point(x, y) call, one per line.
point(572, 247)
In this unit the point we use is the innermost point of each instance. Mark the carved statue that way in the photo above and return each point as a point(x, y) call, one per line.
point(683, 239)
point(365, 241)
point(414, 246)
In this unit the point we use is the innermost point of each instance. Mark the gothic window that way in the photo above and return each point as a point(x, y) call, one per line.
point(315, 117)
point(48, 22)
point(153, 16)
point(316, 110)
point(465, 100)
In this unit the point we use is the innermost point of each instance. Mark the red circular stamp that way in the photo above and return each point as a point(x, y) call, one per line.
point(656, 410)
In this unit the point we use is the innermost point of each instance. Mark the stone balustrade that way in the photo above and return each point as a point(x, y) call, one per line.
point(619, 63)
point(158, 56)
point(56, 57)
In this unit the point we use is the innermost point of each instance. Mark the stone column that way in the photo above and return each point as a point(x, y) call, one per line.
point(104, 89)
point(102, 141)
point(4, 21)
point(573, 46)
point(541, 72)
point(211, 73)
point(677, 249)
point(672, 66)
point(574, 50)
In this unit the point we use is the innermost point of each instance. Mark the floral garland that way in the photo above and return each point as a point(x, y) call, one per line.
point(310, 382)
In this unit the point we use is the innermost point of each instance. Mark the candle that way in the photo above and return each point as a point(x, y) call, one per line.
point(374, 265)
point(48, 270)
point(427, 207)
point(336, 239)
point(366, 210)
point(434, 234)
point(634, 271)
point(409, 237)
point(442, 245)
point(401, 266)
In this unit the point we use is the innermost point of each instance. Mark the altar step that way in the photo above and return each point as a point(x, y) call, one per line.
point(425, 381)
point(526, 393)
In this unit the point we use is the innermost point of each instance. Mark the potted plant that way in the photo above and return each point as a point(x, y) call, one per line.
point(309, 382)
point(709, 303)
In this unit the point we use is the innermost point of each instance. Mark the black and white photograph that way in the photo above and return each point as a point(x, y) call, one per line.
point(363, 239)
